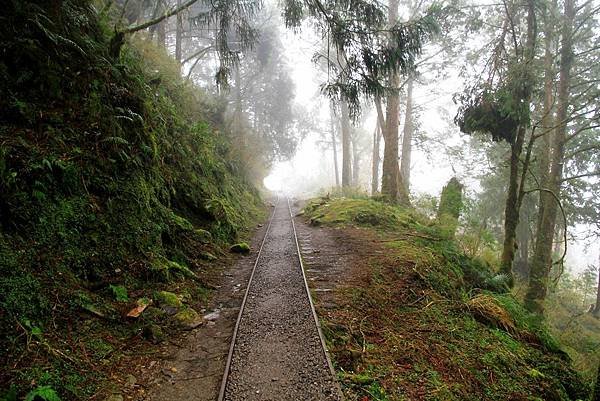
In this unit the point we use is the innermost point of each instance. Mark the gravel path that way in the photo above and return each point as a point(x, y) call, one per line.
point(278, 354)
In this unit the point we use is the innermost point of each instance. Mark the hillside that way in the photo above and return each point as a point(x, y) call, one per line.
point(119, 187)
point(412, 318)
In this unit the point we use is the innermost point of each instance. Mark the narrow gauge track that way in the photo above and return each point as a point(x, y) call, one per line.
point(277, 350)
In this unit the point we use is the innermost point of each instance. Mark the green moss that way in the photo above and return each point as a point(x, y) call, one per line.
point(418, 336)
point(241, 247)
point(105, 177)
point(188, 317)
point(363, 212)
point(166, 298)
point(167, 270)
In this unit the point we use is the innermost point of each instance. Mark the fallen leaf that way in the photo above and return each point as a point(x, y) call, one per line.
point(142, 304)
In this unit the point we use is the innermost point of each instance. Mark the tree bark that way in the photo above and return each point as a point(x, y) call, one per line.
point(542, 259)
point(178, 34)
point(375, 159)
point(334, 145)
point(391, 186)
point(407, 135)
point(515, 189)
point(547, 117)
point(521, 264)
point(355, 160)
point(346, 156)
point(161, 36)
point(511, 210)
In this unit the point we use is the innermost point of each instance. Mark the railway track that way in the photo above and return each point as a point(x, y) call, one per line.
point(277, 350)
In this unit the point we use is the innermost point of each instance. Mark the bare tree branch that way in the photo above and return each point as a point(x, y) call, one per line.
point(156, 20)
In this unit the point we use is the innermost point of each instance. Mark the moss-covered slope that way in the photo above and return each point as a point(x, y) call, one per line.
point(429, 323)
point(115, 179)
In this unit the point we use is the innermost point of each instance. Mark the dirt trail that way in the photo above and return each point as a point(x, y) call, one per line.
point(278, 354)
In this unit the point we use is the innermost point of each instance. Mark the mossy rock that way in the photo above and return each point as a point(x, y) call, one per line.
point(166, 298)
point(153, 333)
point(189, 318)
point(241, 247)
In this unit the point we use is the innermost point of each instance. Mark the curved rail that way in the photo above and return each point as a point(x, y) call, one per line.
point(239, 318)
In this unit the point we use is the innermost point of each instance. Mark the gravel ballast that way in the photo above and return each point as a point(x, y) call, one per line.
point(278, 353)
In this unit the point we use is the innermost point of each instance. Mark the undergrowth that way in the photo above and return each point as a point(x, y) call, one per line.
point(430, 323)
point(116, 178)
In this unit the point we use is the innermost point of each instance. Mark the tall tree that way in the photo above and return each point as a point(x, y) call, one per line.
point(346, 155)
point(542, 258)
point(407, 136)
point(392, 186)
point(332, 126)
point(375, 158)
point(504, 112)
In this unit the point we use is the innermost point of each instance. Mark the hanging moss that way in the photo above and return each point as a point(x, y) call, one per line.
point(491, 113)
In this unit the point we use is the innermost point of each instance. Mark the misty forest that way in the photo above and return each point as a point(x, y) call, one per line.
point(299, 200)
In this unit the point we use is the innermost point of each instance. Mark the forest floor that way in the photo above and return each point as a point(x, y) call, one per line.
point(189, 365)
point(399, 322)
point(407, 316)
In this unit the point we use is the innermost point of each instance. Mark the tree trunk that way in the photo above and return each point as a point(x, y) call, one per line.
point(596, 311)
point(547, 117)
point(178, 34)
point(355, 160)
point(521, 265)
point(391, 186)
point(407, 137)
point(334, 145)
point(161, 37)
point(346, 156)
point(515, 189)
point(375, 159)
point(238, 107)
point(161, 28)
point(542, 259)
point(511, 210)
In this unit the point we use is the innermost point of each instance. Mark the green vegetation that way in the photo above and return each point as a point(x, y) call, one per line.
point(429, 322)
point(117, 178)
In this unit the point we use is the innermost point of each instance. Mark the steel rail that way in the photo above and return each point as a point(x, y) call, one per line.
point(239, 318)
point(312, 307)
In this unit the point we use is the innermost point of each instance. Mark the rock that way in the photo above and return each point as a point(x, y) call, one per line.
point(189, 318)
point(241, 247)
point(153, 333)
point(168, 299)
point(214, 315)
point(114, 397)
